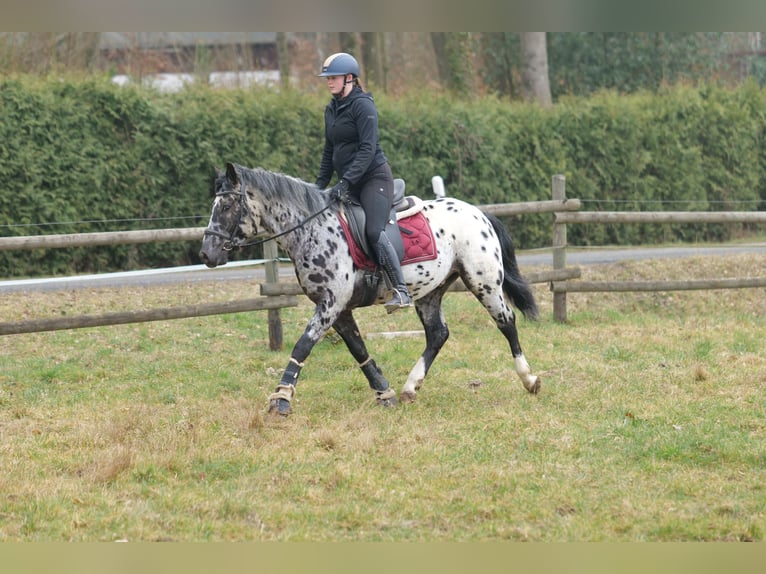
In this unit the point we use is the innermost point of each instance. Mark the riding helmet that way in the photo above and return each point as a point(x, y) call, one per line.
point(339, 64)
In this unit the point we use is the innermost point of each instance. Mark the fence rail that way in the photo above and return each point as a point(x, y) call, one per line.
point(680, 285)
point(100, 238)
point(527, 207)
point(142, 316)
point(662, 217)
point(292, 287)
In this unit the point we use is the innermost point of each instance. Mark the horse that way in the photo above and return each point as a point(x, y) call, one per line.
point(307, 224)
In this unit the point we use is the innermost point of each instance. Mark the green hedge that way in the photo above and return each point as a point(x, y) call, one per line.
point(76, 152)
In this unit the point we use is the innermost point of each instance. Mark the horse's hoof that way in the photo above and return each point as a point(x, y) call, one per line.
point(407, 397)
point(391, 402)
point(535, 387)
point(280, 407)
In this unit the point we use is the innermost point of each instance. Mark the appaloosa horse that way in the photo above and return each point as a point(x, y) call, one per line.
point(308, 225)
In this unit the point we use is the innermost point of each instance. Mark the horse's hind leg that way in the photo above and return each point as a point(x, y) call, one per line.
point(505, 319)
point(429, 310)
point(348, 330)
point(531, 382)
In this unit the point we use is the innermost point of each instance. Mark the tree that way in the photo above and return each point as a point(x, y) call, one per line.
point(283, 57)
point(46, 52)
point(499, 52)
point(454, 60)
point(348, 42)
point(373, 58)
point(586, 62)
point(535, 84)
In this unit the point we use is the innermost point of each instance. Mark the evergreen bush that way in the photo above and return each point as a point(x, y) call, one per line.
point(81, 155)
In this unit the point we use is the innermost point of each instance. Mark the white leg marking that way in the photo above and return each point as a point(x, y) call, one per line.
point(415, 378)
point(529, 380)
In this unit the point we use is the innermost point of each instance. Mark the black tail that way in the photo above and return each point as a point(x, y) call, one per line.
point(514, 284)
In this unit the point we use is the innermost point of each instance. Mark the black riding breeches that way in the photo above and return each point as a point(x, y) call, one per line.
point(376, 195)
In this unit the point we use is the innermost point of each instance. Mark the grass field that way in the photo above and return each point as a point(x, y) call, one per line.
point(650, 426)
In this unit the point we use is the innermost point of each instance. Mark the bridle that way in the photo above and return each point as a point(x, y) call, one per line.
point(231, 241)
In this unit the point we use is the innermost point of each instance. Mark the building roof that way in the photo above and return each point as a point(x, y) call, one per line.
point(162, 40)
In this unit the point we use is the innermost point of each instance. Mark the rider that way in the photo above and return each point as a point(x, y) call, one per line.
point(352, 149)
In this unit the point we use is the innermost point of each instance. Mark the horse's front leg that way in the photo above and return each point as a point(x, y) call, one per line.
point(279, 401)
point(347, 328)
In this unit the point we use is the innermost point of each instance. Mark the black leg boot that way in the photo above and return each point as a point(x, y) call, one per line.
point(389, 262)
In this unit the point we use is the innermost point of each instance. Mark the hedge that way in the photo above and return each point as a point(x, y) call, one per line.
point(82, 154)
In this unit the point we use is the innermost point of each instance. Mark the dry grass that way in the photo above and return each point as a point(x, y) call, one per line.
point(650, 425)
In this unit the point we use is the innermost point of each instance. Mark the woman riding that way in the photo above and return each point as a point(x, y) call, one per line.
point(352, 149)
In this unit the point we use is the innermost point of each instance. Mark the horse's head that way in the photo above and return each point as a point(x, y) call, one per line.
point(230, 222)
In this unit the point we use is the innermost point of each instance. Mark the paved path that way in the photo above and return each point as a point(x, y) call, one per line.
point(596, 255)
point(242, 271)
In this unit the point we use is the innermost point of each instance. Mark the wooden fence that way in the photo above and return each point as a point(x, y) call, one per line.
point(561, 219)
point(276, 295)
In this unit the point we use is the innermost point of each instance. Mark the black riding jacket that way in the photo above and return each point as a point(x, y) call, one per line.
point(352, 148)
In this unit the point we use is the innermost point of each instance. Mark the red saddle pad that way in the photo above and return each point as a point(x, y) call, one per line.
point(418, 239)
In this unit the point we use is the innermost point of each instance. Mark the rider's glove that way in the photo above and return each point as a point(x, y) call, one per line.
point(339, 191)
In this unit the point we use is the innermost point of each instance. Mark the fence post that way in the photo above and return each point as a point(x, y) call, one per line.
point(271, 254)
point(558, 192)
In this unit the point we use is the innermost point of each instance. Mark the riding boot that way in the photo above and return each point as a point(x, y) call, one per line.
point(389, 262)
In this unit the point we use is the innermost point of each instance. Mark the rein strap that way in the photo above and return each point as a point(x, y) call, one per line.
point(286, 231)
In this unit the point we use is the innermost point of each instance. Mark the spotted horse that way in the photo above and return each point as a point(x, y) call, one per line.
point(304, 221)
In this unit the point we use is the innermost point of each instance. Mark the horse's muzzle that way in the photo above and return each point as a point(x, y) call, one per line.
point(213, 256)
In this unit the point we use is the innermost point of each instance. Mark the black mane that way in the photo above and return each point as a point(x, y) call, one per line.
point(286, 189)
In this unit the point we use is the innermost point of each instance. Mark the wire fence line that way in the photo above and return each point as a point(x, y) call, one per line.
point(676, 201)
point(205, 217)
point(103, 221)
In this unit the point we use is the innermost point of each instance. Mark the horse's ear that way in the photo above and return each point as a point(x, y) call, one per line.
point(231, 173)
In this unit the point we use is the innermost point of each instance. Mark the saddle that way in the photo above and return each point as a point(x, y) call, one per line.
point(403, 207)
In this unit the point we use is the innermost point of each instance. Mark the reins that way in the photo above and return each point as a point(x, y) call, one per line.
point(285, 232)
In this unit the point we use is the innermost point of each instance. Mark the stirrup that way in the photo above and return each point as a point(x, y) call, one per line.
point(399, 300)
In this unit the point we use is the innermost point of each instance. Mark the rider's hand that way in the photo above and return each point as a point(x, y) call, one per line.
point(339, 191)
